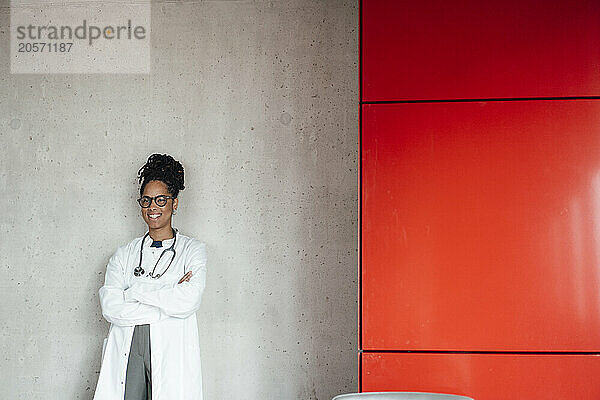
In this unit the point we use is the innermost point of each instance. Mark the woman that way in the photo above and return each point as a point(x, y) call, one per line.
point(152, 289)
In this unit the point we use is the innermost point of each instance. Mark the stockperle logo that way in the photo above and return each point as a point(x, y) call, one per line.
point(80, 36)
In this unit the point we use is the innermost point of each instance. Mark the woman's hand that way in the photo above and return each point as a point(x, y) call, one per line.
point(186, 277)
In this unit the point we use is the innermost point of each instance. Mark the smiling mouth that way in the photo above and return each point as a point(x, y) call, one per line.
point(154, 216)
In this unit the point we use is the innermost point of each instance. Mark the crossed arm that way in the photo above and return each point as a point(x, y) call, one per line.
point(130, 306)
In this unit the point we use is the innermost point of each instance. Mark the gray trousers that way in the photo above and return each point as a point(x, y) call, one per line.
point(138, 384)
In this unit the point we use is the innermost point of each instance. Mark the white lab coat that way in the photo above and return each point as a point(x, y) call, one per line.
point(170, 309)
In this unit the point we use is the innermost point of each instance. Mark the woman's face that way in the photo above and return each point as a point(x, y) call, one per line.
point(158, 217)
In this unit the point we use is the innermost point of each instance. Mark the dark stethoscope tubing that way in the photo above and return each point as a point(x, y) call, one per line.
point(171, 248)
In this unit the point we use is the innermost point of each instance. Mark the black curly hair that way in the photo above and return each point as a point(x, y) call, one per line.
point(164, 168)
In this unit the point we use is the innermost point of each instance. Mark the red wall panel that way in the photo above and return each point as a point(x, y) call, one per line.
point(479, 49)
point(485, 376)
point(481, 226)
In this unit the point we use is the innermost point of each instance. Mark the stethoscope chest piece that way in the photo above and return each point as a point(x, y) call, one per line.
point(138, 271)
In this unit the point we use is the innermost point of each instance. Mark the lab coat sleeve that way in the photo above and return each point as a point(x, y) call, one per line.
point(115, 308)
point(180, 300)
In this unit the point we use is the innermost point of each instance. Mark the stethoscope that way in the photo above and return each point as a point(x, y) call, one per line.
point(140, 271)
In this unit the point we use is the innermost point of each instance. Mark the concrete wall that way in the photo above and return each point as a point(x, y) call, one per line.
point(258, 100)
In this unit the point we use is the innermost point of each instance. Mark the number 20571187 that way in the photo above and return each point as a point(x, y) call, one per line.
point(43, 47)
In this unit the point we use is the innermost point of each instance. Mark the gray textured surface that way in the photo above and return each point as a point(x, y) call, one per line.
point(259, 102)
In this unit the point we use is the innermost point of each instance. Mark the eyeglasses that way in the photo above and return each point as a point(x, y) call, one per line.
point(159, 200)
